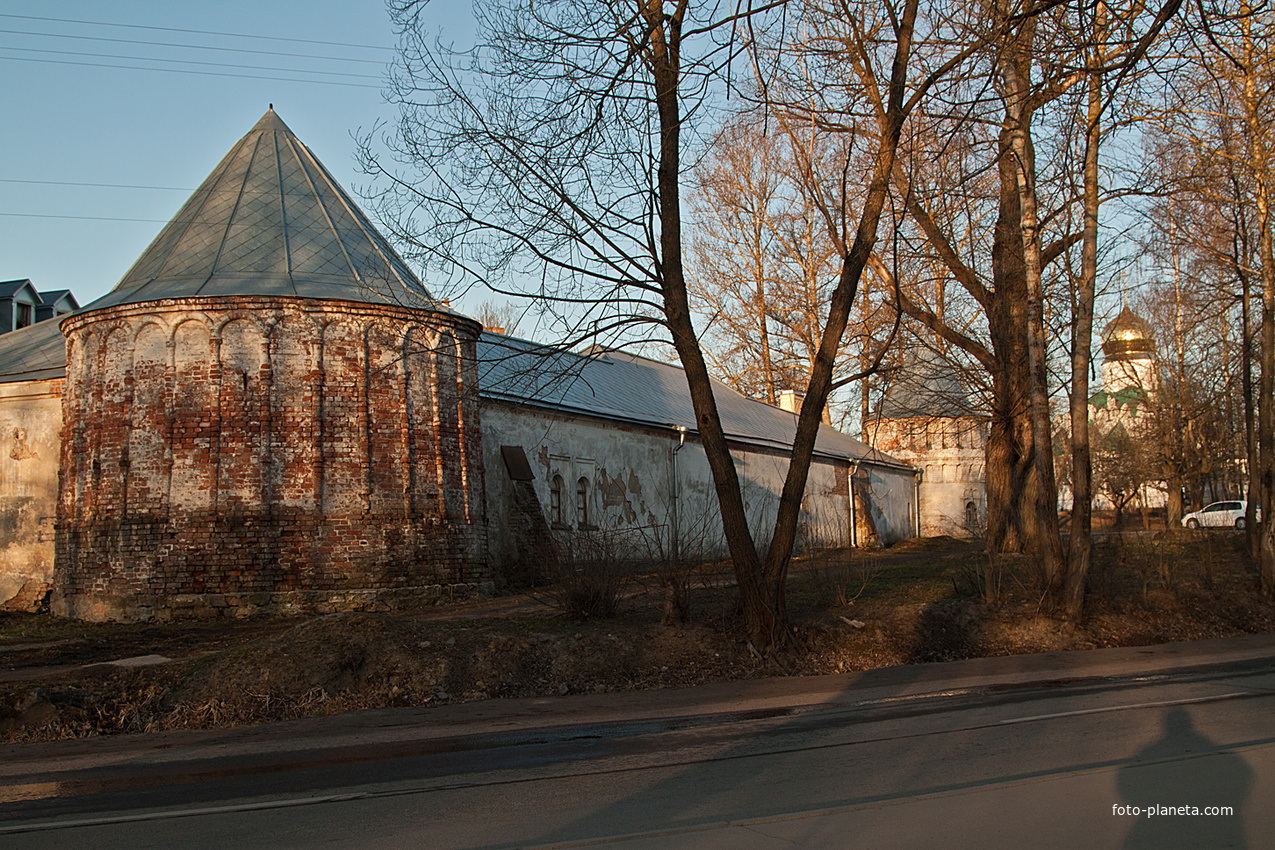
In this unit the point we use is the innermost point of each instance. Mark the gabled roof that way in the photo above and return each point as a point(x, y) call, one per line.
point(53, 296)
point(625, 387)
point(10, 288)
point(270, 220)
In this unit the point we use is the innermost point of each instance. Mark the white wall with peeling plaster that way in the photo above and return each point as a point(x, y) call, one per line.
point(30, 446)
point(631, 497)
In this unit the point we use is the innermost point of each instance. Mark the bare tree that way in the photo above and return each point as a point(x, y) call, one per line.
point(502, 318)
point(548, 161)
point(738, 202)
point(765, 265)
point(1222, 113)
point(1122, 466)
point(1044, 55)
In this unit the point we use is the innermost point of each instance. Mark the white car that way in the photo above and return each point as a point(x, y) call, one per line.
point(1219, 515)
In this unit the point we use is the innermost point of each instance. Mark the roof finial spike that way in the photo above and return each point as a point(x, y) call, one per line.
point(272, 107)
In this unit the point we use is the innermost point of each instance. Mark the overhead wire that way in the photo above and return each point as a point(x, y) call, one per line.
point(171, 70)
point(95, 185)
point(187, 62)
point(84, 217)
point(188, 71)
point(191, 46)
point(195, 31)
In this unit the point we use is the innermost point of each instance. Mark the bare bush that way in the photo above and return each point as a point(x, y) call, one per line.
point(592, 572)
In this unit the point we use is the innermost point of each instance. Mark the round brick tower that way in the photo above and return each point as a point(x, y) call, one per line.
point(268, 413)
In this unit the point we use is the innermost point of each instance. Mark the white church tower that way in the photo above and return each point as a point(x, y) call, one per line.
point(1128, 356)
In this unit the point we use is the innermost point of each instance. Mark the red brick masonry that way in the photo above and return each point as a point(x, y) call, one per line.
point(229, 455)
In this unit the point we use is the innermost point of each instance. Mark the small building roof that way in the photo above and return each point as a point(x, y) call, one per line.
point(53, 296)
point(626, 387)
point(270, 220)
point(10, 288)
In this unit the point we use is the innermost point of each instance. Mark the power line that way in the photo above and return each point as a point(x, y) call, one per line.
point(193, 46)
point(85, 217)
point(96, 185)
point(189, 62)
point(198, 32)
point(187, 71)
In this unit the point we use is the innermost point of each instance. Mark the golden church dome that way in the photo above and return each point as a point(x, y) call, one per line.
point(1128, 336)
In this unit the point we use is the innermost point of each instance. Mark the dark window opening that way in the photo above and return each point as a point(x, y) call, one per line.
point(555, 500)
point(582, 502)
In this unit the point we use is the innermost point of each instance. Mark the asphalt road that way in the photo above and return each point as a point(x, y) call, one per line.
point(1046, 751)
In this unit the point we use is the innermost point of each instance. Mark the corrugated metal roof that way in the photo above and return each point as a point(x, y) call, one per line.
point(617, 385)
point(270, 220)
point(35, 353)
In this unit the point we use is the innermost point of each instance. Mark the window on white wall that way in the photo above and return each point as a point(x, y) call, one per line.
point(555, 500)
point(582, 502)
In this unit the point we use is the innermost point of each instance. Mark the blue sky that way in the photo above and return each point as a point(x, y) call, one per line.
point(70, 121)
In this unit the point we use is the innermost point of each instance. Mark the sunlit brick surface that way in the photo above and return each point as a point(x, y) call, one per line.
point(226, 456)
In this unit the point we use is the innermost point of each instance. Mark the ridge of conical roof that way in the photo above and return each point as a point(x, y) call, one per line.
point(270, 220)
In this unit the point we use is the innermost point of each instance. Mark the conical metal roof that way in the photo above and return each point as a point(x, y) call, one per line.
point(270, 221)
point(926, 385)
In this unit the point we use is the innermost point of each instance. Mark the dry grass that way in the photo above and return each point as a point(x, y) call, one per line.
point(913, 603)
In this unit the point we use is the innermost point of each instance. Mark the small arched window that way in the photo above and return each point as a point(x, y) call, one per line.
point(971, 515)
point(555, 500)
point(582, 502)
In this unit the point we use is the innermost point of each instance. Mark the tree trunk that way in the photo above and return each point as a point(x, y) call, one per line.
point(1016, 72)
point(1258, 157)
point(1081, 542)
point(1252, 494)
point(761, 584)
point(764, 616)
point(854, 261)
point(1173, 508)
point(1008, 455)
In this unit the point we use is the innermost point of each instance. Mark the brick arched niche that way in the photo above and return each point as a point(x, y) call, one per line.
point(236, 455)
